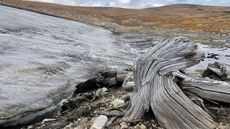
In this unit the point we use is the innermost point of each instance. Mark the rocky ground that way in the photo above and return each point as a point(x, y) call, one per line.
point(98, 105)
point(101, 103)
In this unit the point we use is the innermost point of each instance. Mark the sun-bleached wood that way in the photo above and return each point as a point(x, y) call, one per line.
point(156, 88)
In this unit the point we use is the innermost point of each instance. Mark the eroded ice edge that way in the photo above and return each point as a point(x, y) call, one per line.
point(43, 58)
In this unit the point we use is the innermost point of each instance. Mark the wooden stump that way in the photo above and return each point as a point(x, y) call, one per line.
point(156, 87)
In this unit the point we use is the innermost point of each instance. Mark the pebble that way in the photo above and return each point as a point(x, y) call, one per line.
point(118, 103)
point(100, 122)
point(98, 92)
point(101, 92)
point(124, 125)
point(30, 127)
point(70, 126)
point(104, 91)
point(142, 126)
point(221, 126)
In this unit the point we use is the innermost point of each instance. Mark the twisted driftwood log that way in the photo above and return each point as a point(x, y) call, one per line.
point(156, 87)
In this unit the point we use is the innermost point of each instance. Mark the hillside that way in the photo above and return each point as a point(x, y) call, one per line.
point(189, 17)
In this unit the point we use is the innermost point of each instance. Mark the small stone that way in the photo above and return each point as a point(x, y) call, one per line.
point(142, 126)
point(100, 122)
point(30, 127)
point(98, 92)
point(67, 127)
point(124, 125)
point(118, 103)
point(71, 124)
point(101, 92)
point(104, 91)
point(221, 126)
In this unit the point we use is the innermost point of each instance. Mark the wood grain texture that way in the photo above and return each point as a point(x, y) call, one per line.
point(156, 88)
point(208, 88)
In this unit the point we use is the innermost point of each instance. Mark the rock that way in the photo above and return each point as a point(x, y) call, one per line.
point(101, 92)
point(124, 125)
point(116, 127)
point(118, 102)
point(221, 126)
point(98, 92)
point(67, 127)
point(142, 126)
point(100, 122)
point(104, 91)
point(30, 127)
point(110, 81)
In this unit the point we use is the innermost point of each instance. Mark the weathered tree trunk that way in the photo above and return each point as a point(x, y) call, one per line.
point(156, 87)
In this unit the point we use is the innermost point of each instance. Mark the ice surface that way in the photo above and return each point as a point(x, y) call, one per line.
point(42, 58)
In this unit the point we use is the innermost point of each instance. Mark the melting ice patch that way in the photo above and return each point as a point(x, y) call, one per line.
point(42, 58)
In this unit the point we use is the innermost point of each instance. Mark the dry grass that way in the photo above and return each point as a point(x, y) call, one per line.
point(191, 17)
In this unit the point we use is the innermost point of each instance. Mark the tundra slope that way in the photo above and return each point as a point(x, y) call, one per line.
point(183, 16)
point(43, 58)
